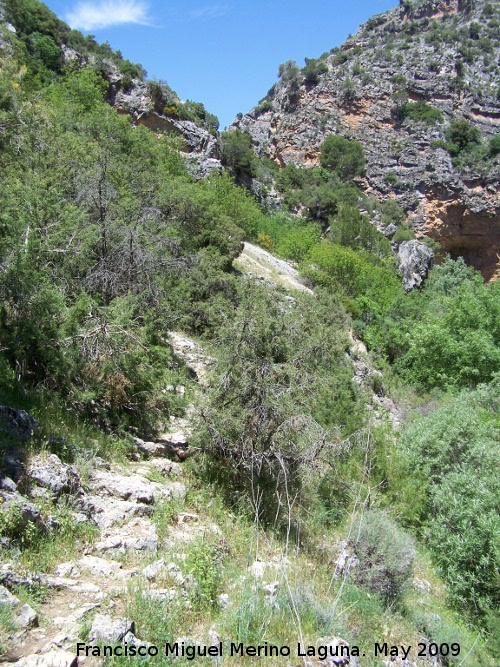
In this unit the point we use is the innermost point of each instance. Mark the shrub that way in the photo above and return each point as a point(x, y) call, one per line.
point(403, 234)
point(237, 154)
point(45, 49)
point(31, 16)
point(290, 74)
point(297, 243)
point(474, 30)
point(171, 111)
point(390, 178)
point(205, 563)
point(350, 228)
point(357, 273)
point(131, 70)
point(260, 420)
point(495, 145)
point(385, 555)
point(348, 91)
point(265, 241)
point(313, 69)
point(421, 112)
point(343, 156)
point(264, 106)
point(462, 136)
point(456, 344)
point(454, 454)
point(391, 211)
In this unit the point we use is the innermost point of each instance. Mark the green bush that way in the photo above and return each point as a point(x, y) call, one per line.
point(264, 106)
point(447, 335)
point(390, 178)
point(291, 75)
point(453, 455)
point(238, 154)
point(45, 48)
point(403, 234)
point(313, 69)
point(456, 344)
point(461, 136)
point(260, 423)
point(422, 112)
point(352, 229)
point(359, 275)
point(205, 563)
point(32, 16)
point(391, 212)
point(385, 555)
point(296, 244)
point(345, 157)
point(495, 145)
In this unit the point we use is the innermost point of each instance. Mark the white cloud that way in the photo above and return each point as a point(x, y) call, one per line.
point(210, 12)
point(92, 15)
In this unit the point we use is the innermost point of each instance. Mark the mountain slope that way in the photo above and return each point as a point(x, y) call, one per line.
point(399, 86)
point(47, 49)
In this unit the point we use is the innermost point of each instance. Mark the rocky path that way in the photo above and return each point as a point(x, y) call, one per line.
point(87, 598)
point(88, 589)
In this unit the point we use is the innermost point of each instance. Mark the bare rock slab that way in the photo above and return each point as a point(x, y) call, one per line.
point(51, 659)
point(56, 477)
point(26, 617)
point(99, 567)
point(108, 629)
point(138, 535)
point(108, 511)
point(133, 488)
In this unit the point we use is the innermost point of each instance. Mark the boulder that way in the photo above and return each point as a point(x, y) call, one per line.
point(132, 488)
point(57, 477)
point(107, 629)
point(137, 535)
point(26, 617)
point(415, 262)
point(99, 567)
point(7, 484)
point(153, 570)
point(107, 511)
point(21, 512)
point(67, 570)
point(17, 424)
point(223, 600)
point(6, 598)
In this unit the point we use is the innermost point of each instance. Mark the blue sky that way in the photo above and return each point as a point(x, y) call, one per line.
point(220, 52)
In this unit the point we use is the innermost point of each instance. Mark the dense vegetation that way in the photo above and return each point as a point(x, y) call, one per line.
point(107, 244)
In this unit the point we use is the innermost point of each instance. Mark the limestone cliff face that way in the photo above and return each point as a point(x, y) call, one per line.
point(443, 52)
point(145, 102)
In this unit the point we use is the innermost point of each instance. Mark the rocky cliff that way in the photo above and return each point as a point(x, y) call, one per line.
point(397, 86)
point(156, 106)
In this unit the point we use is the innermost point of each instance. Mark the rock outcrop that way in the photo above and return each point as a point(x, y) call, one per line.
point(145, 108)
point(145, 102)
point(442, 54)
point(415, 261)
